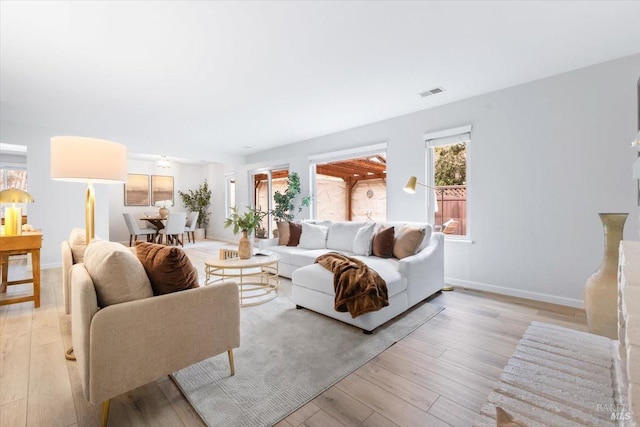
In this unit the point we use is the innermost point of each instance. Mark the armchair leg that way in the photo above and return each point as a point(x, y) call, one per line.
point(231, 365)
point(104, 417)
point(130, 239)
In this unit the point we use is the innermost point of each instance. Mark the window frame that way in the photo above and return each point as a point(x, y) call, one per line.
point(461, 134)
point(334, 156)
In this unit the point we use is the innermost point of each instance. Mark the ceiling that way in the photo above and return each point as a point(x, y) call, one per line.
point(215, 80)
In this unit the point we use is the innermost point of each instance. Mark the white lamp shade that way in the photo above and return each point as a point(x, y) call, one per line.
point(75, 158)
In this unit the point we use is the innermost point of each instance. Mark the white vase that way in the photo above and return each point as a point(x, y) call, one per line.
point(601, 289)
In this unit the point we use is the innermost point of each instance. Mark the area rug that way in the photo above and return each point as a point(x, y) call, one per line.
point(286, 358)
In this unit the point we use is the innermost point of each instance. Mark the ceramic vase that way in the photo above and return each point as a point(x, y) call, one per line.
point(163, 212)
point(601, 289)
point(245, 250)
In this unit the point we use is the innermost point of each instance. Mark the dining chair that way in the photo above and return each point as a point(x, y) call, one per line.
point(173, 229)
point(135, 230)
point(190, 228)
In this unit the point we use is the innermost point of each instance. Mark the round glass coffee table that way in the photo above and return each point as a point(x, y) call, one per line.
point(257, 277)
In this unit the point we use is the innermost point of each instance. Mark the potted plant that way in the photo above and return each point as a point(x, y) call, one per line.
point(247, 223)
point(285, 209)
point(199, 201)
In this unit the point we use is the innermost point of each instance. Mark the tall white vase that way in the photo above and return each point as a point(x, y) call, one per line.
point(601, 289)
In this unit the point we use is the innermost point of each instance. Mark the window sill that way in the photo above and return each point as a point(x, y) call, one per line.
point(462, 239)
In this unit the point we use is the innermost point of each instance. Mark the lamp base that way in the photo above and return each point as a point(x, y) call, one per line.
point(12, 221)
point(447, 287)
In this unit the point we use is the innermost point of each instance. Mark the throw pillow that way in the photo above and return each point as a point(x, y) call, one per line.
point(383, 243)
point(505, 419)
point(342, 234)
point(295, 229)
point(313, 236)
point(169, 269)
point(407, 241)
point(117, 274)
point(283, 233)
point(362, 241)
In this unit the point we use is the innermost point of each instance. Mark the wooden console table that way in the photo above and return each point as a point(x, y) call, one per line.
point(29, 242)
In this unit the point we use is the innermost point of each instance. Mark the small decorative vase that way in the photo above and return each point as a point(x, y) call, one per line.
point(163, 212)
point(245, 249)
point(601, 289)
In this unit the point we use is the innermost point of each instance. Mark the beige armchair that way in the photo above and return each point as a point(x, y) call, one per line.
point(124, 346)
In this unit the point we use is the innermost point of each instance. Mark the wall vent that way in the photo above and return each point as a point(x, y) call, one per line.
point(430, 92)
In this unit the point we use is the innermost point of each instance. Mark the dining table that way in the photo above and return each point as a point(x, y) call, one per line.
point(155, 221)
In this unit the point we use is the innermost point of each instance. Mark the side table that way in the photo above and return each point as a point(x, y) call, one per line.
point(30, 242)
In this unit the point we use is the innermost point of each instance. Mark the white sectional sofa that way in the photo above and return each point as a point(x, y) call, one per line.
point(409, 280)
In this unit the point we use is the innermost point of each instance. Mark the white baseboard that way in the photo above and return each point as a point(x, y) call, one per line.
point(536, 296)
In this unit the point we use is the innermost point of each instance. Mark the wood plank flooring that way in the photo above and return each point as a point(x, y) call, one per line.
point(440, 375)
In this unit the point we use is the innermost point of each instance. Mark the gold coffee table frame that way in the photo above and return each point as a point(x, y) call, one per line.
point(257, 277)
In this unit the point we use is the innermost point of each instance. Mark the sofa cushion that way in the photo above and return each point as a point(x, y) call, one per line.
point(407, 241)
point(118, 276)
point(313, 236)
point(342, 235)
point(169, 269)
point(306, 256)
point(295, 230)
point(318, 278)
point(363, 240)
point(78, 244)
point(383, 242)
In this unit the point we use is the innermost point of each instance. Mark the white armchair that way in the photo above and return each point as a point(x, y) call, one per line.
point(124, 346)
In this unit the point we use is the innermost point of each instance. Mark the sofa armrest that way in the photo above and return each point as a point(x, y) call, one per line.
point(136, 342)
point(267, 243)
point(67, 263)
point(424, 271)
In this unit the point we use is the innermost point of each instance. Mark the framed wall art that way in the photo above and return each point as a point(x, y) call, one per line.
point(136, 190)
point(161, 188)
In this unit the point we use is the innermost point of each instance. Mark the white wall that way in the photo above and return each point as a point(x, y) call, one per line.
point(545, 158)
point(186, 176)
point(59, 206)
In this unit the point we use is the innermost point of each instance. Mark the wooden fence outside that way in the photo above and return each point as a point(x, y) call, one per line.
point(455, 207)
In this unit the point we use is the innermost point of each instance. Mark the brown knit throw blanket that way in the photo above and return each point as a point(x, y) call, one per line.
point(358, 288)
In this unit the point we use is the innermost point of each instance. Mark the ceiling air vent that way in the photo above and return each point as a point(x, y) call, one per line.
point(430, 92)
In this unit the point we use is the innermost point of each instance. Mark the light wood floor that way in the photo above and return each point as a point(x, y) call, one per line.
point(439, 375)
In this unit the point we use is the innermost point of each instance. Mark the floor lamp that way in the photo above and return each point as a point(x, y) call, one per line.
point(90, 160)
point(410, 187)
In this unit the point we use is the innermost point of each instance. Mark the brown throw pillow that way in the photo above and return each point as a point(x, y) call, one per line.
point(169, 269)
point(407, 241)
point(383, 243)
point(295, 231)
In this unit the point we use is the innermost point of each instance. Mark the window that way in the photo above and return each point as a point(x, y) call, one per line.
point(230, 193)
point(350, 185)
point(265, 184)
point(447, 160)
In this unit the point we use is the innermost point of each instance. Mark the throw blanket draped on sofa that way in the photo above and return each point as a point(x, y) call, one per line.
point(358, 288)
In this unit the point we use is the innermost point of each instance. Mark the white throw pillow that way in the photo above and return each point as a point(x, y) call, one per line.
point(363, 239)
point(313, 236)
point(342, 235)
